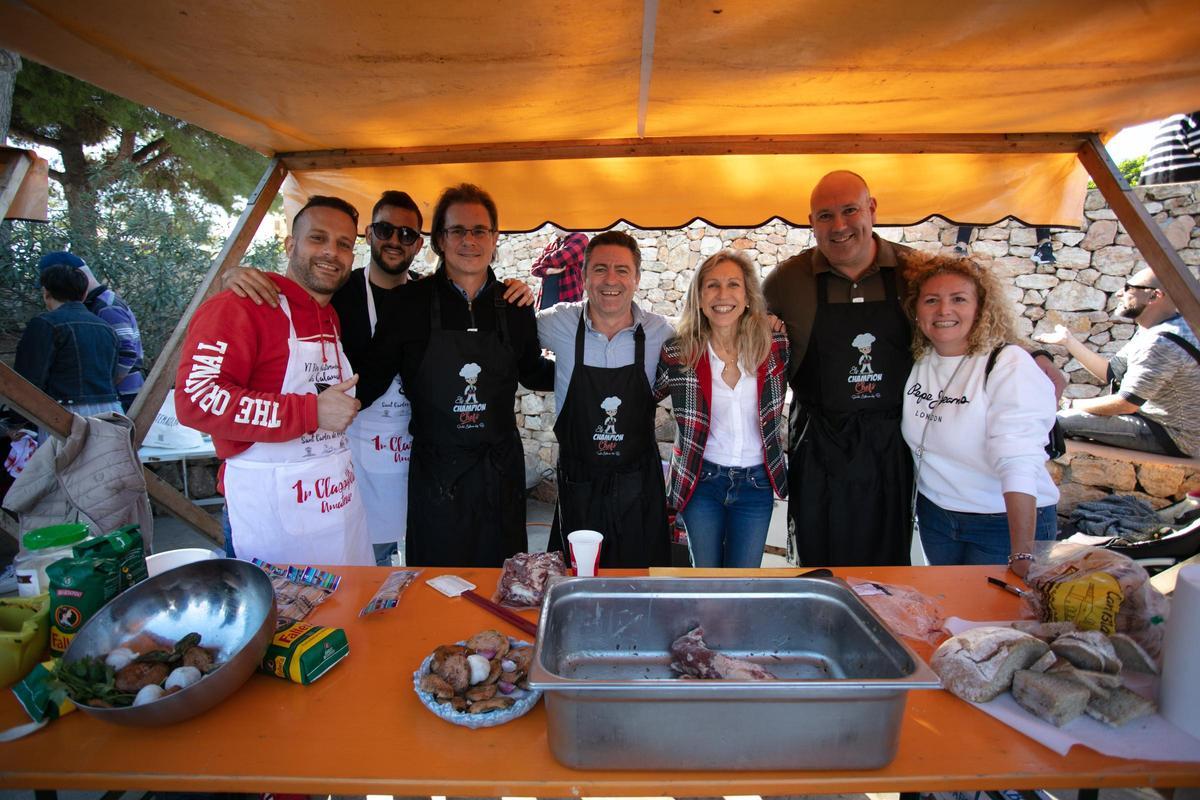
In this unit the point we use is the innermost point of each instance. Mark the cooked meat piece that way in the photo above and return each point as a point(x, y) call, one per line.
point(139, 673)
point(692, 657)
point(492, 704)
point(457, 703)
point(200, 658)
point(493, 642)
point(481, 692)
point(443, 652)
point(438, 686)
point(456, 671)
point(511, 677)
point(494, 672)
point(522, 657)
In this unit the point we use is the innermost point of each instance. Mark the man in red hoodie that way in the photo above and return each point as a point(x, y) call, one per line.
point(274, 389)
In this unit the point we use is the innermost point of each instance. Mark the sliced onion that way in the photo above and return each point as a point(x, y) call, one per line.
point(508, 665)
point(488, 654)
point(505, 687)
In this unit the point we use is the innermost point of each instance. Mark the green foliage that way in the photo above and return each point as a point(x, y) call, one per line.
point(1131, 168)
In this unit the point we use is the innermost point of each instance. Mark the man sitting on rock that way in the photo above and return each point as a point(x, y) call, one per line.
point(1155, 404)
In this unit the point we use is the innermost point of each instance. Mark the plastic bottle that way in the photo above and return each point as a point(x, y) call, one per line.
point(39, 549)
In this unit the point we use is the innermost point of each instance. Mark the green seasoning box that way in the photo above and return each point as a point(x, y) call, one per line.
point(303, 652)
point(124, 545)
point(79, 587)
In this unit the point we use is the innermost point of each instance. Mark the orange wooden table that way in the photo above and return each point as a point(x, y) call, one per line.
point(361, 729)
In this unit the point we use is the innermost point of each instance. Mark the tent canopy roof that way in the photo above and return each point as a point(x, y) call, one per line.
point(448, 82)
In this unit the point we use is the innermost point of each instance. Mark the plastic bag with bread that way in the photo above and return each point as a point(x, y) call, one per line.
point(1098, 590)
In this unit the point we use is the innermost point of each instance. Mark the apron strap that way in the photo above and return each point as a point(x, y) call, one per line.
point(501, 307)
point(579, 334)
point(639, 348)
point(435, 310)
point(823, 289)
point(888, 276)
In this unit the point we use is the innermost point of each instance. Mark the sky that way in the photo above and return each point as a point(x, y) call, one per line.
point(1132, 142)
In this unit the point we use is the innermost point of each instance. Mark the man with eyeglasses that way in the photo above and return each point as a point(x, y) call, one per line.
point(1155, 404)
point(379, 438)
point(460, 349)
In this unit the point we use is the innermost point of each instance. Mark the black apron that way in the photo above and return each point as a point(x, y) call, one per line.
point(466, 488)
point(610, 477)
point(850, 476)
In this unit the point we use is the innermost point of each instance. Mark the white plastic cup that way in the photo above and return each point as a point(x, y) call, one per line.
point(170, 559)
point(585, 551)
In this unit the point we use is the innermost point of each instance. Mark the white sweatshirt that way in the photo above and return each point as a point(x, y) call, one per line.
point(980, 444)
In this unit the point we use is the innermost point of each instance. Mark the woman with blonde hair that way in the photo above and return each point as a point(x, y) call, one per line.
point(977, 414)
point(727, 376)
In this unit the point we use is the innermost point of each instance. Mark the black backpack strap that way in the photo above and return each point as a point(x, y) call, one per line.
point(1056, 443)
point(1184, 343)
point(991, 362)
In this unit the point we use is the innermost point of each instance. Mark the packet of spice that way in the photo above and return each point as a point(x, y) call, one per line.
point(124, 545)
point(303, 652)
point(389, 593)
point(79, 587)
point(38, 697)
point(298, 590)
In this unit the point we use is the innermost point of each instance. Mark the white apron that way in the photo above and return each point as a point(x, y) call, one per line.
point(381, 447)
point(297, 502)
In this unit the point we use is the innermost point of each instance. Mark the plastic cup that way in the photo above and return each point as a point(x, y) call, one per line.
point(585, 551)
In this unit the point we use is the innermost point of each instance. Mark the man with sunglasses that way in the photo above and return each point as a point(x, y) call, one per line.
point(1155, 404)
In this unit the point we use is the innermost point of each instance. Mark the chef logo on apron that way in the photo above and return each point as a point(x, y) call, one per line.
point(322, 443)
point(606, 437)
point(326, 493)
point(467, 404)
point(397, 407)
point(863, 375)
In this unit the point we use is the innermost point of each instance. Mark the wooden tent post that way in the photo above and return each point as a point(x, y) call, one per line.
point(13, 172)
point(161, 378)
point(36, 405)
point(1168, 267)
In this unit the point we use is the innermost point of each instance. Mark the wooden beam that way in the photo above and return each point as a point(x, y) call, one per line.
point(33, 403)
point(162, 377)
point(1168, 267)
point(804, 144)
point(16, 166)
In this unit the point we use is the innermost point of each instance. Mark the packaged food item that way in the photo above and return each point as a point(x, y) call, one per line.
point(302, 652)
point(40, 548)
point(124, 545)
point(79, 587)
point(905, 610)
point(24, 634)
point(298, 590)
point(389, 593)
point(38, 697)
point(1098, 590)
point(525, 577)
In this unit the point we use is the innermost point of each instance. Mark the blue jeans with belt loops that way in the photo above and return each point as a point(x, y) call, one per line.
point(728, 515)
point(956, 537)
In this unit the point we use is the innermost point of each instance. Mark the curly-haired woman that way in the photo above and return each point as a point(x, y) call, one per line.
point(727, 375)
point(977, 412)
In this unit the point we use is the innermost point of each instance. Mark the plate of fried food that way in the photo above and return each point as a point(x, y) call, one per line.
point(478, 683)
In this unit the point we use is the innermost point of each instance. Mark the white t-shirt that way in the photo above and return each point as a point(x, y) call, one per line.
point(979, 443)
point(734, 433)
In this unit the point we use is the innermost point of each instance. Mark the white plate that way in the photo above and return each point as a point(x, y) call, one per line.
point(489, 720)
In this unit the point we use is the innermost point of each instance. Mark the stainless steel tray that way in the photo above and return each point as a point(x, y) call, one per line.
point(602, 658)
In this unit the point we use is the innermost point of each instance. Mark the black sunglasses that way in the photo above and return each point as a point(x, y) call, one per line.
point(384, 230)
point(1129, 287)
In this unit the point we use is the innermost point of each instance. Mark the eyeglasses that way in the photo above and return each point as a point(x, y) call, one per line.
point(457, 233)
point(1133, 287)
point(384, 230)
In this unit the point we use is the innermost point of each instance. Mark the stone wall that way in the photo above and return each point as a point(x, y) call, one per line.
point(1080, 291)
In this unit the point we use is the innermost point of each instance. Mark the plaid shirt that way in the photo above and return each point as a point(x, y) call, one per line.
point(691, 399)
point(565, 254)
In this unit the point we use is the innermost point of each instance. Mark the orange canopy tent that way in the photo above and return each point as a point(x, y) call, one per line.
point(652, 111)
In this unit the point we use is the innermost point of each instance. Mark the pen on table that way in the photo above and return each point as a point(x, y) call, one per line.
point(1008, 587)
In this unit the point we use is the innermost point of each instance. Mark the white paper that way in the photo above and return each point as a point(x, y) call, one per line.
point(450, 585)
point(1151, 738)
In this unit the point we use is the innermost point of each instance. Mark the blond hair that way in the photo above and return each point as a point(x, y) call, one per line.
point(994, 321)
point(753, 331)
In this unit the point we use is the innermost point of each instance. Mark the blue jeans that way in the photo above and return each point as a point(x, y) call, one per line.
point(728, 515)
point(957, 537)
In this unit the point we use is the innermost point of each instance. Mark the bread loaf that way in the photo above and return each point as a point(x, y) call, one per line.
point(1088, 650)
point(1055, 699)
point(1119, 707)
point(1133, 656)
point(978, 664)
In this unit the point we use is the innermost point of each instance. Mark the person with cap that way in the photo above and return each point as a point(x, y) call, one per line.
point(274, 388)
point(606, 348)
point(460, 349)
point(68, 352)
point(108, 305)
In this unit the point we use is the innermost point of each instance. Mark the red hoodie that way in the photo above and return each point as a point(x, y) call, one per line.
point(232, 366)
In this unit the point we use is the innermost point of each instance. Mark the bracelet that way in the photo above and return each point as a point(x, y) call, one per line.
point(1019, 557)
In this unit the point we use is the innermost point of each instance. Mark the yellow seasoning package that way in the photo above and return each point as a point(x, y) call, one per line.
point(1090, 601)
point(303, 652)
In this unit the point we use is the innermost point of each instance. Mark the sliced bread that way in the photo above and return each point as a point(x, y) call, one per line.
point(1055, 699)
point(978, 664)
